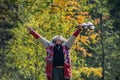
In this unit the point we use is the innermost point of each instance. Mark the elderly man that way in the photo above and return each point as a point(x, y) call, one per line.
point(58, 63)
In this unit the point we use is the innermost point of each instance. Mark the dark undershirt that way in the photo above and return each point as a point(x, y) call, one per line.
point(58, 58)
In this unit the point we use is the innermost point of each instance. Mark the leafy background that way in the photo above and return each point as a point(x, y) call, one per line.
point(95, 54)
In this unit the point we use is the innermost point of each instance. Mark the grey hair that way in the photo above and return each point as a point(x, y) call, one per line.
point(58, 37)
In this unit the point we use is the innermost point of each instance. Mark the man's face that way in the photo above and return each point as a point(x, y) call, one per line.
point(58, 41)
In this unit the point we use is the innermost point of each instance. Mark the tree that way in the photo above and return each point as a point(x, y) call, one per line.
point(109, 37)
point(7, 22)
point(23, 58)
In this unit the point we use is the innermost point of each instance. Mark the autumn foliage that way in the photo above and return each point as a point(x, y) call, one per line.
point(23, 58)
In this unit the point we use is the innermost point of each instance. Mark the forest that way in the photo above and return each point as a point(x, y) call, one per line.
point(95, 54)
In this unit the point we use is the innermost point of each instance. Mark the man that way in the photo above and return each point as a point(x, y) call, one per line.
point(58, 63)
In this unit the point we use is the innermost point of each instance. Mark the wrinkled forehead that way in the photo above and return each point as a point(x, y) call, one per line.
point(58, 39)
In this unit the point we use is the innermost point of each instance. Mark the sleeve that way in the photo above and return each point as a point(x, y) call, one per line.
point(42, 40)
point(71, 40)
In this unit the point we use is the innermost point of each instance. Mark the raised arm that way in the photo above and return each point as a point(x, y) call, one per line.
point(42, 40)
point(72, 38)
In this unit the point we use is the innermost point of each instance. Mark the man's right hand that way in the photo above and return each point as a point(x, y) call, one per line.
point(29, 28)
